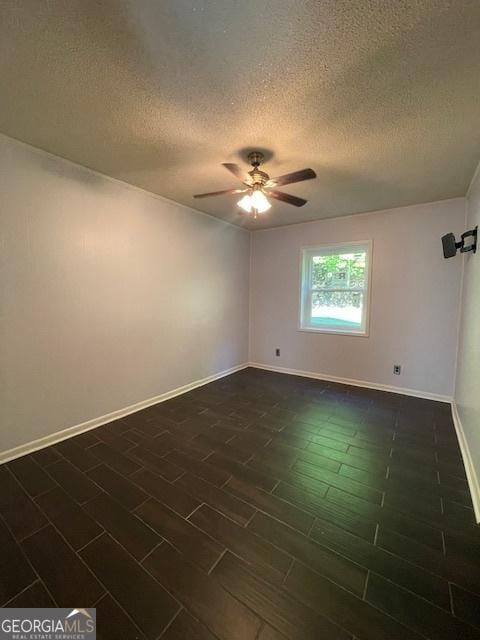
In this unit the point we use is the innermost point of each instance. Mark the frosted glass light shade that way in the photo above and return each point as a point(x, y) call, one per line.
point(256, 201)
point(260, 202)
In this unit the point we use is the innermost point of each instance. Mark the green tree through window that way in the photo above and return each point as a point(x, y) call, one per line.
point(339, 271)
point(334, 288)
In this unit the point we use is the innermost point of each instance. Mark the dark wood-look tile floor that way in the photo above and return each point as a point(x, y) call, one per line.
point(259, 507)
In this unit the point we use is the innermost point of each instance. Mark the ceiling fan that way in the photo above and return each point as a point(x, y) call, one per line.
point(258, 186)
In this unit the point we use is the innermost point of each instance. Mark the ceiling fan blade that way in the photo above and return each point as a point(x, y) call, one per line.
point(290, 178)
point(219, 193)
point(286, 197)
point(237, 171)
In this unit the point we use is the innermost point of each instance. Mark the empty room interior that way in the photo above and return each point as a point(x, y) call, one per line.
point(239, 320)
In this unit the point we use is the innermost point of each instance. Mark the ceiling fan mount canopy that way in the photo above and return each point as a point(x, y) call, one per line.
point(259, 186)
point(255, 158)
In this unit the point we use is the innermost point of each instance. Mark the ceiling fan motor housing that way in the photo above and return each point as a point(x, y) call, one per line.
point(258, 177)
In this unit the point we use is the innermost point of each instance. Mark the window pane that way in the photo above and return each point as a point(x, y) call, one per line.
point(339, 271)
point(337, 309)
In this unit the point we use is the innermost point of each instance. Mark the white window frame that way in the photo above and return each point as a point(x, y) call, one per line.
point(306, 255)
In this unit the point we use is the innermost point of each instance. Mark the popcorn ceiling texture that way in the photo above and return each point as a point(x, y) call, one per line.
point(380, 97)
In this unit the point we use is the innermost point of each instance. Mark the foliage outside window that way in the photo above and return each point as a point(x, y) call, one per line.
point(334, 288)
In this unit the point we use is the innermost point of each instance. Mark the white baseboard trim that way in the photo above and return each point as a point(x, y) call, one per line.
point(58, 436)
point(354, 383)
point(472, 478)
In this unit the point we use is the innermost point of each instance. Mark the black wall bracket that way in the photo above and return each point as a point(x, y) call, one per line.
point(451, 246)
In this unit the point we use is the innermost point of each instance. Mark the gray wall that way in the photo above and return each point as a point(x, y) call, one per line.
point(109, 295)
point(467, 388)
point(414, 299)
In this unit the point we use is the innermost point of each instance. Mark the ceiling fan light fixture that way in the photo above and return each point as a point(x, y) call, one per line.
point(259, 186)
point(259, 201)
point(245, 203)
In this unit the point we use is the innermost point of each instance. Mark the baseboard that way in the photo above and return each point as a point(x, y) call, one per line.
point(472, 478)
point(354, 383)
point(58, 436)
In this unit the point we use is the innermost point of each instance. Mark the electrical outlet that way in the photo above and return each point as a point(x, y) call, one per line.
point(397, 369)
point(277, 352)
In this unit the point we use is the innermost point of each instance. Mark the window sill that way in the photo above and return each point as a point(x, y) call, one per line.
point(339, 332)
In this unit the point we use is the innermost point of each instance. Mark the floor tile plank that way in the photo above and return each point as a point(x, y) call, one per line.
point(257, 478)
point(46, 456)
point(113, 623)
point(114, 459)
point(416, 613)
point(169, 494)
point(271, 504)
point(273, 604)
point(73, 481)
point(453, 570)
point(328, 511)
point(203, 470)
point(76, 526)
point(332, 565)
point(35, 596)
point(15, 572)
point(203, 596)
point(198, 547)
point(243, 542)
point(466, 605)
point(147, 458)
point(122, 490)
point(31, 476)
point(357, 616)
point(217, 498)
point(78, 456)
point(142, 597)
point(17, 508)
point(66, 577)
point(423, 583)
point(185, 627)
point(121, 524)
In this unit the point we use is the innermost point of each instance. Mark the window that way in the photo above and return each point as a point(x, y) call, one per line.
point(335, 288)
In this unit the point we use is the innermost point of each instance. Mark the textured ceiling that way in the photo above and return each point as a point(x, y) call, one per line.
point(380, 97)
